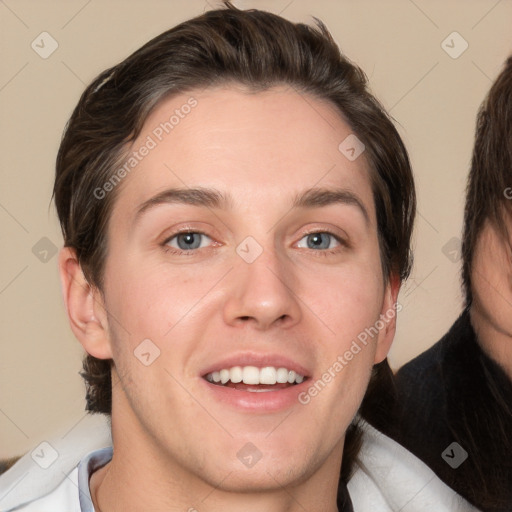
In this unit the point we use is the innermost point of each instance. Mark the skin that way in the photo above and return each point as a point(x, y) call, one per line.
point(174, 447)
point(491, 282)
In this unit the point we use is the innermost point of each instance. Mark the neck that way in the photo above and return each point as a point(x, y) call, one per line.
point(495, 343)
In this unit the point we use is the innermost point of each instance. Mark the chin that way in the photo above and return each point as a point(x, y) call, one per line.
point(262, 477)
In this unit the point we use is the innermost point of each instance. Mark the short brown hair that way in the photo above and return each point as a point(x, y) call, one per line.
point(490, 176)
point(253, 48)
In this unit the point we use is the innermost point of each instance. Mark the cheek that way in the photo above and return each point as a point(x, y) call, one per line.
point(349, 298)
point(350, 305)
point(492, 293)
point(492, 280)
point(149, 300)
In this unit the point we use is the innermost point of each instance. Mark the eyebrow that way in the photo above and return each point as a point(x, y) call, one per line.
point(215, 199)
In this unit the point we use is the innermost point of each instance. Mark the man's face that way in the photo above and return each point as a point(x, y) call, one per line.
point(256, 282)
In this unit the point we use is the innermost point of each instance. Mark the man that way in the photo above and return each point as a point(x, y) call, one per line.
point(234, 215)
point(455, 400)
point(237, 210)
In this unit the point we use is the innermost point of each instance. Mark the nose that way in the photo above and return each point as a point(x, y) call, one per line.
point(263, 293)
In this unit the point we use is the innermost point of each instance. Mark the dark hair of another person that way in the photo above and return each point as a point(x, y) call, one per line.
point(489, 198)
point(254, 49)
point(490, 177)
point(478, 415)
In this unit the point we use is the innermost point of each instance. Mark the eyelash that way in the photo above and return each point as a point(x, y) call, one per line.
point(190, 252)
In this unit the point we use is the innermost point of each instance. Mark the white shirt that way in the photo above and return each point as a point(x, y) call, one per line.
point(389, 478)
point(73, 494)
point(32, 482)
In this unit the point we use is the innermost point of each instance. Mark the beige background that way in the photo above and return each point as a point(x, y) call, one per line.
point(433, 97)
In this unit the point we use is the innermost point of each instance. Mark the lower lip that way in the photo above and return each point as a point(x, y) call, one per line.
point(254, 401)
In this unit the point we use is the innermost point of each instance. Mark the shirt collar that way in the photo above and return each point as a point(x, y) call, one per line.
point(87, 466)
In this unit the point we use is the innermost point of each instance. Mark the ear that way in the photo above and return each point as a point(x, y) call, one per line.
point(84, 305)
point(390, 309)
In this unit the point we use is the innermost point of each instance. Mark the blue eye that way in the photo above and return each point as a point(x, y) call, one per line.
point(321, 240)
point(186, 241)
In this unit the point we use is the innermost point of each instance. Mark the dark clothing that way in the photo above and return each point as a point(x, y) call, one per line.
point(454, 392)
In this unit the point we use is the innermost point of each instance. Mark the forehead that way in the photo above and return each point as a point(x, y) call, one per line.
point(262, 146)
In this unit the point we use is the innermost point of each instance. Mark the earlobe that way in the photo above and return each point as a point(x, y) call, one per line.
point(388, 315)
point(84, 306)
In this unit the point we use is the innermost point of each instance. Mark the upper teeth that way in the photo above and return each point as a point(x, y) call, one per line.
point(254, 375)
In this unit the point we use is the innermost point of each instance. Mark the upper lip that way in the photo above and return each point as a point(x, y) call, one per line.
point(259, 360)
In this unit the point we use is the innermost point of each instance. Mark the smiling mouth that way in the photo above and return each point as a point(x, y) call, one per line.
point(254, 379)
